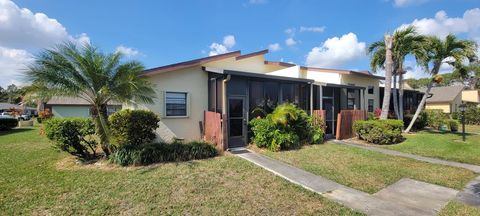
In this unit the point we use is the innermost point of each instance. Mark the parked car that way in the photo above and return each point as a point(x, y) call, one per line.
point(24, 117)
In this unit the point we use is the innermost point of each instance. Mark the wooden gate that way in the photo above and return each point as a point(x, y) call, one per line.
point(214, 130)
point(345, 121)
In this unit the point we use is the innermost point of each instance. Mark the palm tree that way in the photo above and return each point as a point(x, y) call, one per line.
point(381, 53)
point(452, 51)
point(87, 73)
point(405, 42)
point(469, 74)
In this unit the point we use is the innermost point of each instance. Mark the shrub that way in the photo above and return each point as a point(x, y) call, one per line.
point(419, 124)
point(377, 112)
point(133, 127)
point(379, 131)
point(162, 152)
point(72, 135)
point(8, 123)
point(453, 125)
point(285, 128)
point(44, 115)
point(436, 118)
point(472, 115)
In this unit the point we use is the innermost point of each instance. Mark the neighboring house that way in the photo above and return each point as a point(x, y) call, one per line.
point(446, 98)
point(241, 87)
point(5, 107)
point(75, 107)
point(471, 96)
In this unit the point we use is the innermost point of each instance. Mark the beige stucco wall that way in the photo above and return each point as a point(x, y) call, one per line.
point(193, 81)
point(364, 82)
point(441, 106)
point(255, 64)
point(471, 96)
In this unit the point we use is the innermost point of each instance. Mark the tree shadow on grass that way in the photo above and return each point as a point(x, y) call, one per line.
point(459, 133)
point(15, 130)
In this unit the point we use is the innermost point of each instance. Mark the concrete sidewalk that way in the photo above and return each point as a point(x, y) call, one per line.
point(406, 197)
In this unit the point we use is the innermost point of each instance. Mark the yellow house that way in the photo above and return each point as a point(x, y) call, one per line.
point(237, 85)
point(471, 96)
point(446, 98)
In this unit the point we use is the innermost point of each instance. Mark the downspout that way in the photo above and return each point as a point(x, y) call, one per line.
point(224, 94)
point(311, 99)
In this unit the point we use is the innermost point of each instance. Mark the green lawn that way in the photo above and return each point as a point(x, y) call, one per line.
point(471, 128)
point(443, 145)
point(37, 180)
point(367, 170)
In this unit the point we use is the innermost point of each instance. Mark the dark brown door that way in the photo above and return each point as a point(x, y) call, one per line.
point(237, 122)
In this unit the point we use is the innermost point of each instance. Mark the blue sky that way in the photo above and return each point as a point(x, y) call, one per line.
point(330, 34)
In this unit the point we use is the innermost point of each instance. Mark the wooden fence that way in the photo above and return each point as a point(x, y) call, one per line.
point(345, 121)
point(213, 129)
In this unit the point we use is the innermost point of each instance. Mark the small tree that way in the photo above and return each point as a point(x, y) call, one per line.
point(452, 51)
point(87, 73)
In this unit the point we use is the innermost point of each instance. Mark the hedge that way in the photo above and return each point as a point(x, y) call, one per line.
point(72, 135)
point(379, 131)
point(472, 115)
point(133, 127)
point(286, 127)
point(162, 152)
point(420, 123)
point(8, 123)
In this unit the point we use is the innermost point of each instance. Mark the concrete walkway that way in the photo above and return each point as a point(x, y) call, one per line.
point(471, 167)
point(406, 197)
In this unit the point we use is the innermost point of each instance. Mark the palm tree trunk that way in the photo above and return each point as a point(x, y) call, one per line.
point(388, 76)
point(436, 68)
point(400, 96)
point(101, 127)
point(395, 95)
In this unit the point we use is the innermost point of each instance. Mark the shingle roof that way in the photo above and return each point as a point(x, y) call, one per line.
point(72, 101)
point(444, 94)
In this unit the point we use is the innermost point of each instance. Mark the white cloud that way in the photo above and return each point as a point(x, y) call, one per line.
point(23, 32)
point(442, 25)
point(404, 3)
point(290, 32)
point(127, 51)
point(274, 47)
point(290, 42)
point(335, 52)
point(318, 29)
point(12, 62)
point(229, 41)
point(21, 28)
point(217, 48)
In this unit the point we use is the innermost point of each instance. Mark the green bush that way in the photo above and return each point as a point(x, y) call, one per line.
point(162, 152)
point(8, 123)
point(379, 131)
point(419, 124)
point(72, 135)
point(133, 127)
point(436, 118)
point(452, 125)
point(472, 115)
point(285, 128)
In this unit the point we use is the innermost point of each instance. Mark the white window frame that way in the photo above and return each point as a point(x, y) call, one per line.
point(187, 98)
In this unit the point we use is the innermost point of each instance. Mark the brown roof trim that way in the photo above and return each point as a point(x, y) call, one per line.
point(261, 52)
point(283, 64)
point(186, 64)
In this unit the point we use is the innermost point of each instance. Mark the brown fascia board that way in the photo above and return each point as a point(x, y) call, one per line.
point(186, 64)
point(261, 52)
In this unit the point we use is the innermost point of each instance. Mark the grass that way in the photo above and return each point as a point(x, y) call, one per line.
point(367, 170)
point(455, 208)
point(470, 128)
point(443, 145)
point(37, 180)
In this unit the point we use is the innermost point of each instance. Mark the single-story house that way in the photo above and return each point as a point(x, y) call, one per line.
point(471, 96)
point(447, 98)
point(75, 107)
point(5, 107)
point(241, 87)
